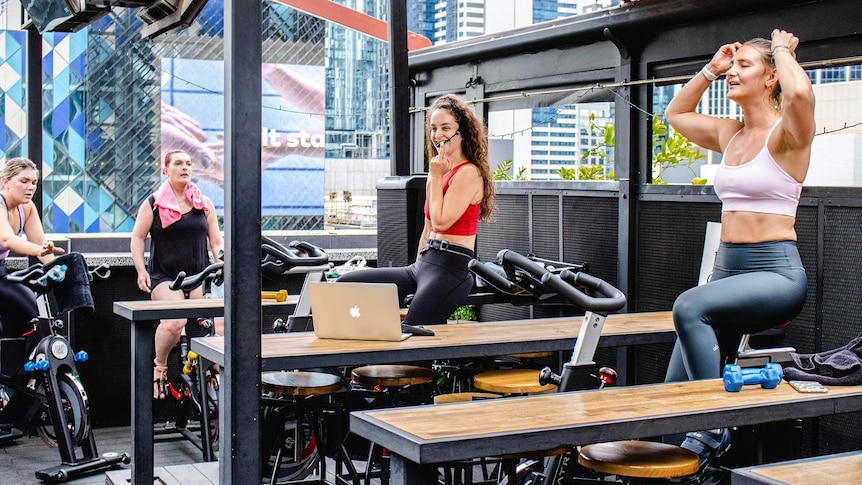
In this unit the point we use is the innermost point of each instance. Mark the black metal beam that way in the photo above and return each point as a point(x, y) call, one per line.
point(643, 17)
point(399, 94)
point(34, 107)
point(240, 410)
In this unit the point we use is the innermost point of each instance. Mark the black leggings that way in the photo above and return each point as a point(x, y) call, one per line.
point(439, 281)
point(754, 287)
point(17, 306)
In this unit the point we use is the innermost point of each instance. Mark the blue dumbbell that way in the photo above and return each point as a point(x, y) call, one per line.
point(768, 376)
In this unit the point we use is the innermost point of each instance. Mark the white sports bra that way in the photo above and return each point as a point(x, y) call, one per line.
point(759, 185)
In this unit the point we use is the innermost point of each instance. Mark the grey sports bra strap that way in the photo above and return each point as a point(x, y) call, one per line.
point(20, 215)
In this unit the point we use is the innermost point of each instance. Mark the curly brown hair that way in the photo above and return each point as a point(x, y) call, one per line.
point(474, 144)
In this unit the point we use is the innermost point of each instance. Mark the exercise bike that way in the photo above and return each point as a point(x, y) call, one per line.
point(511, 278)
point(296, 458)
point(46, 393)
point(517, 279)
point(195, 391)
point(528, 281)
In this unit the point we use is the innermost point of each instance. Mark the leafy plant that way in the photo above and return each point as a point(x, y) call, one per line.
point(583, 172)
point(464, 312)
point(600, 151)
point(670, 150)
point(503, 169)
point(673, 151)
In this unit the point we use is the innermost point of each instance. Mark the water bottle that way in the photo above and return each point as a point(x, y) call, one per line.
point(216, 291)
point(56, 273)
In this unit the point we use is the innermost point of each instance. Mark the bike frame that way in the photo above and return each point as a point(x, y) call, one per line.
point(55, 349)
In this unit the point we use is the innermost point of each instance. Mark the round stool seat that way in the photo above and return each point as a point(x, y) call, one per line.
point(511, 381)
point(639, 459)
point(536, 455)
point(300, 383)
point(391, 375)
point(463, 397)
point(532, 355)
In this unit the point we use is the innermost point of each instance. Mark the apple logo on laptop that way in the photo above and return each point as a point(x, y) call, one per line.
point(354, 311)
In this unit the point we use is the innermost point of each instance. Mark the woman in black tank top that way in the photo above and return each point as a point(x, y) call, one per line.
point(181, 222)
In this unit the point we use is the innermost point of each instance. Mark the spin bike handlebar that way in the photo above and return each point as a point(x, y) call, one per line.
point(37, 279)
point(518, 278)
point(183, 282)
point(566, 285)
point(279, 258)
point(28, 277)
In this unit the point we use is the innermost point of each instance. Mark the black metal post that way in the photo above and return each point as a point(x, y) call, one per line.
point(399, 96)
point(240, 443)
point(34, 107)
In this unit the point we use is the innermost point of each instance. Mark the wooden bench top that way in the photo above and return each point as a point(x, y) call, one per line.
point(139, 310)
point(470, 339)
point(523, 424)
point(838, 468)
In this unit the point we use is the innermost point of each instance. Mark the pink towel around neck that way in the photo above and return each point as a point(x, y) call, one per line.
point(169, 208)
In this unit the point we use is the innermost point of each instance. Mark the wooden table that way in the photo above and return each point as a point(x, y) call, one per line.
point(417, 440)
point(144, 316)
point(303, 350)
point(837, 468)
point(452, 341)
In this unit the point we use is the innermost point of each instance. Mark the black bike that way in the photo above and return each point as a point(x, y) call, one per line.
point(522, 277)
point(46, 392)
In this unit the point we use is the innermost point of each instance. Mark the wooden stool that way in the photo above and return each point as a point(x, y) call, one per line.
point(531, 355)
point(391, 375)
point(463, 397)
point(292, 389)
point(383, 377)
point(300, 383)
point(511, 381)
point(638, 459)
point(461, 471)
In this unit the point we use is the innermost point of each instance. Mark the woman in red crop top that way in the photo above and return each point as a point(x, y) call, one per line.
point(459, 193)
point(758, 281)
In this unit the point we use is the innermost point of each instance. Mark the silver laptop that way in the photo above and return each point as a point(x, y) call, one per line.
point(356, 311)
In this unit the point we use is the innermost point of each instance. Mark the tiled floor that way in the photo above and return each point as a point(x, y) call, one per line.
point(20, 459)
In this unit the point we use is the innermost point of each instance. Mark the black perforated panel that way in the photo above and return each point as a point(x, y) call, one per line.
point(842, 276)
point(669, 250)
point(508, 229)
point(546, 226)
point(590, 234)
point(391, 220)
point(801, 333)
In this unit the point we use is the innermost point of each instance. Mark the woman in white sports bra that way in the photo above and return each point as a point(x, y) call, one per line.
point(758, 280)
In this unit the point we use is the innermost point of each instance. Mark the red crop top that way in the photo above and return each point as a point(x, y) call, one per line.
point(468, 223)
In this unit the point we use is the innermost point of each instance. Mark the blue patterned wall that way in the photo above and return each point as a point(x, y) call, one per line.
point(13, 137)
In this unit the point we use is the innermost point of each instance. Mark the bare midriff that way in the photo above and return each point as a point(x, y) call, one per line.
point(753, 227)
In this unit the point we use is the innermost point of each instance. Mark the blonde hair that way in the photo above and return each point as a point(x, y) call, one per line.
point(764, 47)
point(16, 165)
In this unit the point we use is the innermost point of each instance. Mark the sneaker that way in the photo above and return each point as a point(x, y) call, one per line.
point(707, 444)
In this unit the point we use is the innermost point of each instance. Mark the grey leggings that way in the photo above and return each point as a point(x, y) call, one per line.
point(754, 287)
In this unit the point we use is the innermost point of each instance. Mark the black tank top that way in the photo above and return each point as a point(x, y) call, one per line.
point(182, 246)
